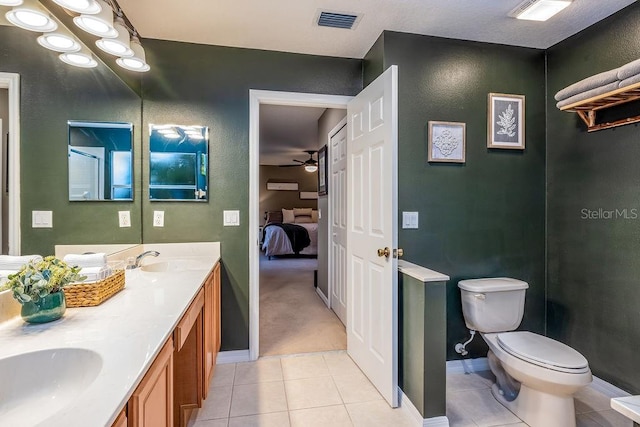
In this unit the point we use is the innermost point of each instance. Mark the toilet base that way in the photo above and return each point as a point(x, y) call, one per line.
point(539, 409)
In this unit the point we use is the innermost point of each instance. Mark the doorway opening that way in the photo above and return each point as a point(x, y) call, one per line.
point(301, 271)
point(10, 163)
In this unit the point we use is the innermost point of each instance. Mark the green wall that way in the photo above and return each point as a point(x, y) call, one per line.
point(53, 92)
point(593, 264)
point(209, 85)
point(484, 218)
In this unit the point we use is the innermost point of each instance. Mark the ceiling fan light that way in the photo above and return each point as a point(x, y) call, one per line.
point(89, 7)
point(30, 16)
point(540, 10)
point(82, 59)
point(310, 168)
point(100, 24)
point(59, 41)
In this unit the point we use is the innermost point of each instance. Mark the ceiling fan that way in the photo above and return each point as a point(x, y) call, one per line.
point(310, 165)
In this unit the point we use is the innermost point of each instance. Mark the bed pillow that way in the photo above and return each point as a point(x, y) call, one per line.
point(287, 216)
point(303, 219)
point(302, 211)
point(314, 216)
point(274, 217)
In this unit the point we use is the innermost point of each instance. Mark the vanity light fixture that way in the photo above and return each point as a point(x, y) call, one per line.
point(119, 46)
point(83, 58)
point(310, 168)
point(100, 24)
point(138, 61)
point(30, 16)
point(88, 7)
point(539, 10)
point(11, 2)
point(59, 41)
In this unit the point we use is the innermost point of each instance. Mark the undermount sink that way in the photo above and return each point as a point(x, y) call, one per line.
point(34, 386)
point(174, 265)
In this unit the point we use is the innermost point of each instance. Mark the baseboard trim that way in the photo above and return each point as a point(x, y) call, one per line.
point(322, 297)
point(466, 366)
point(409, 408)
point(233, 356)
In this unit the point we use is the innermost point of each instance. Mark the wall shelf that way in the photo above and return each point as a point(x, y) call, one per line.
point(587, 108)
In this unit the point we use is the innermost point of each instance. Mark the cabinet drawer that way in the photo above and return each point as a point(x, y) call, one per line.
point(189, 318)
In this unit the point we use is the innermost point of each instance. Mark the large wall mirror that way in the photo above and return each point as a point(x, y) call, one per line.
point(100, 161)
point(178, 162)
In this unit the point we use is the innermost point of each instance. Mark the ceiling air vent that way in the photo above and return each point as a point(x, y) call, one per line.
point(337, 20)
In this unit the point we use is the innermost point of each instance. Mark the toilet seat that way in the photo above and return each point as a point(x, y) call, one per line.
point(543, 351)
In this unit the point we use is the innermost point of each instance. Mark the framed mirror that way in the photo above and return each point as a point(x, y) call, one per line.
point(100, 161)
point(178, 163)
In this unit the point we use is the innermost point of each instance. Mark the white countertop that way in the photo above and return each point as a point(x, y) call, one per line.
point(420, 273)
point(628, 406)
point(127, 331)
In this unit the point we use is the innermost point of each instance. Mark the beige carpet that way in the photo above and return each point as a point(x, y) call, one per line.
point(293, 317)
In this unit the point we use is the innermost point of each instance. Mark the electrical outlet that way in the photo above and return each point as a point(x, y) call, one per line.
point(124, 218)
point(158, 218)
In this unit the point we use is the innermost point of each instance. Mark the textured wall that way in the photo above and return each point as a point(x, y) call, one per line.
point(594, 264)
point(209, 85)
point(484, 218)
point(52, 93)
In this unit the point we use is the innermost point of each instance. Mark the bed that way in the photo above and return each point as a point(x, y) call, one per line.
point(291, 232)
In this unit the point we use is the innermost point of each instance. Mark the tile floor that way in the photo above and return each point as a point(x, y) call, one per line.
point(328, 389)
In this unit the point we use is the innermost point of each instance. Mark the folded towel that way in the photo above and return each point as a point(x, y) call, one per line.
point(587, 84)
point(10, 262)
point(628, 70)
point(86, 260)
point(588, 94)
point(630, 81)
point(93, 274)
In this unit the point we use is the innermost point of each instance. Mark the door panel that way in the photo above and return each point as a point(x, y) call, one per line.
point(338, 155)
point(372, 335)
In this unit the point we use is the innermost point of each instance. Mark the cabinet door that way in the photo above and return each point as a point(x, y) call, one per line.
point(121, 421)
point(211, 326)
point(151, 405)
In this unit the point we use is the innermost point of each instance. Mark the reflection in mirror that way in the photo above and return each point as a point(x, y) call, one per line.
point(100, 161)
point(178, 162)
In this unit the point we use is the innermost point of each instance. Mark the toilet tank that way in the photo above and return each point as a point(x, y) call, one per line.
point(493, 304)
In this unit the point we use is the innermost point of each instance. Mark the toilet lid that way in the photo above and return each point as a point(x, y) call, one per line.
point(543, 351)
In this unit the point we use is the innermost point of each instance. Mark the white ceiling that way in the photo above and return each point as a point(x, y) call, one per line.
point(286, 132)
point(288, 25)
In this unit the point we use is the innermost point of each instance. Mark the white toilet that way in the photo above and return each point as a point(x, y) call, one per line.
point(536, 377)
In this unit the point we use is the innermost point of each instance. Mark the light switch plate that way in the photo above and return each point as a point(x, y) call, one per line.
point(42, 219)
point(158, 218)
point(124, 218)
point(231, 218)
point(409, 219)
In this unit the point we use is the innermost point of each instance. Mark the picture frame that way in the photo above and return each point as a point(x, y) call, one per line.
point(506, 121)
point(447, 142)
point(323, 187)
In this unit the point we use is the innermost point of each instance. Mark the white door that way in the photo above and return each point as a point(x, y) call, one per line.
point(338, 222)
point(372, 326)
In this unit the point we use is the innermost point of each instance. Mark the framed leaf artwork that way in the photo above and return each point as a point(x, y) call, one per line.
point(506, 121)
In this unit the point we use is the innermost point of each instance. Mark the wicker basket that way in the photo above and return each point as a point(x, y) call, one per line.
point(91, 294)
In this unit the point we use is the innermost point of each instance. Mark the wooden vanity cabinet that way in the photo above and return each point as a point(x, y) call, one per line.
point(212, 330)
point(151, 405)
point(121, 421)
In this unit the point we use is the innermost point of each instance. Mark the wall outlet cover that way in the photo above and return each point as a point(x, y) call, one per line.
point(231, 218)
point(42, 219)
point(158, 218)
point(124, 218)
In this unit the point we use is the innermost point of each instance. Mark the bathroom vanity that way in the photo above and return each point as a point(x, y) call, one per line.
point(145, 357)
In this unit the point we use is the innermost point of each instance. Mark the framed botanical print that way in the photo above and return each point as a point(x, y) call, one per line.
point(506, 121)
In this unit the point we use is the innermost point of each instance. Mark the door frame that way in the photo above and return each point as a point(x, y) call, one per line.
point(342, 123)
point(257, 98)
point(11, 81)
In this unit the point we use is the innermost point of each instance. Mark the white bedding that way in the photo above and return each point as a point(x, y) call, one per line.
point(276, 241)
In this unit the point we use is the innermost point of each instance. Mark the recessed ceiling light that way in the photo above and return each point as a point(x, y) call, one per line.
point(59, 41)
point(80, 6)
point(10, 2)
point(100, 24)
point(119, 46)
point(539, 10)
point(30, 16)
point(82, 59)
point(138, 61)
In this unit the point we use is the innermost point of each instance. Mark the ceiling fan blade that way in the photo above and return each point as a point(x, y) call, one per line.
point(289, 166)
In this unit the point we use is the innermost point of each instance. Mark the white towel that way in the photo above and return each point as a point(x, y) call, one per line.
point(86, 260)
point(10, 262)
point(93, 274)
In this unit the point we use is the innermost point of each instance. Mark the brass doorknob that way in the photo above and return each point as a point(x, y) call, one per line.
point(397, 253)
point(384, 252)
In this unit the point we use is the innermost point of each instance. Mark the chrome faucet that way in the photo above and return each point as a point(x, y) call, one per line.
point(143, 255)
